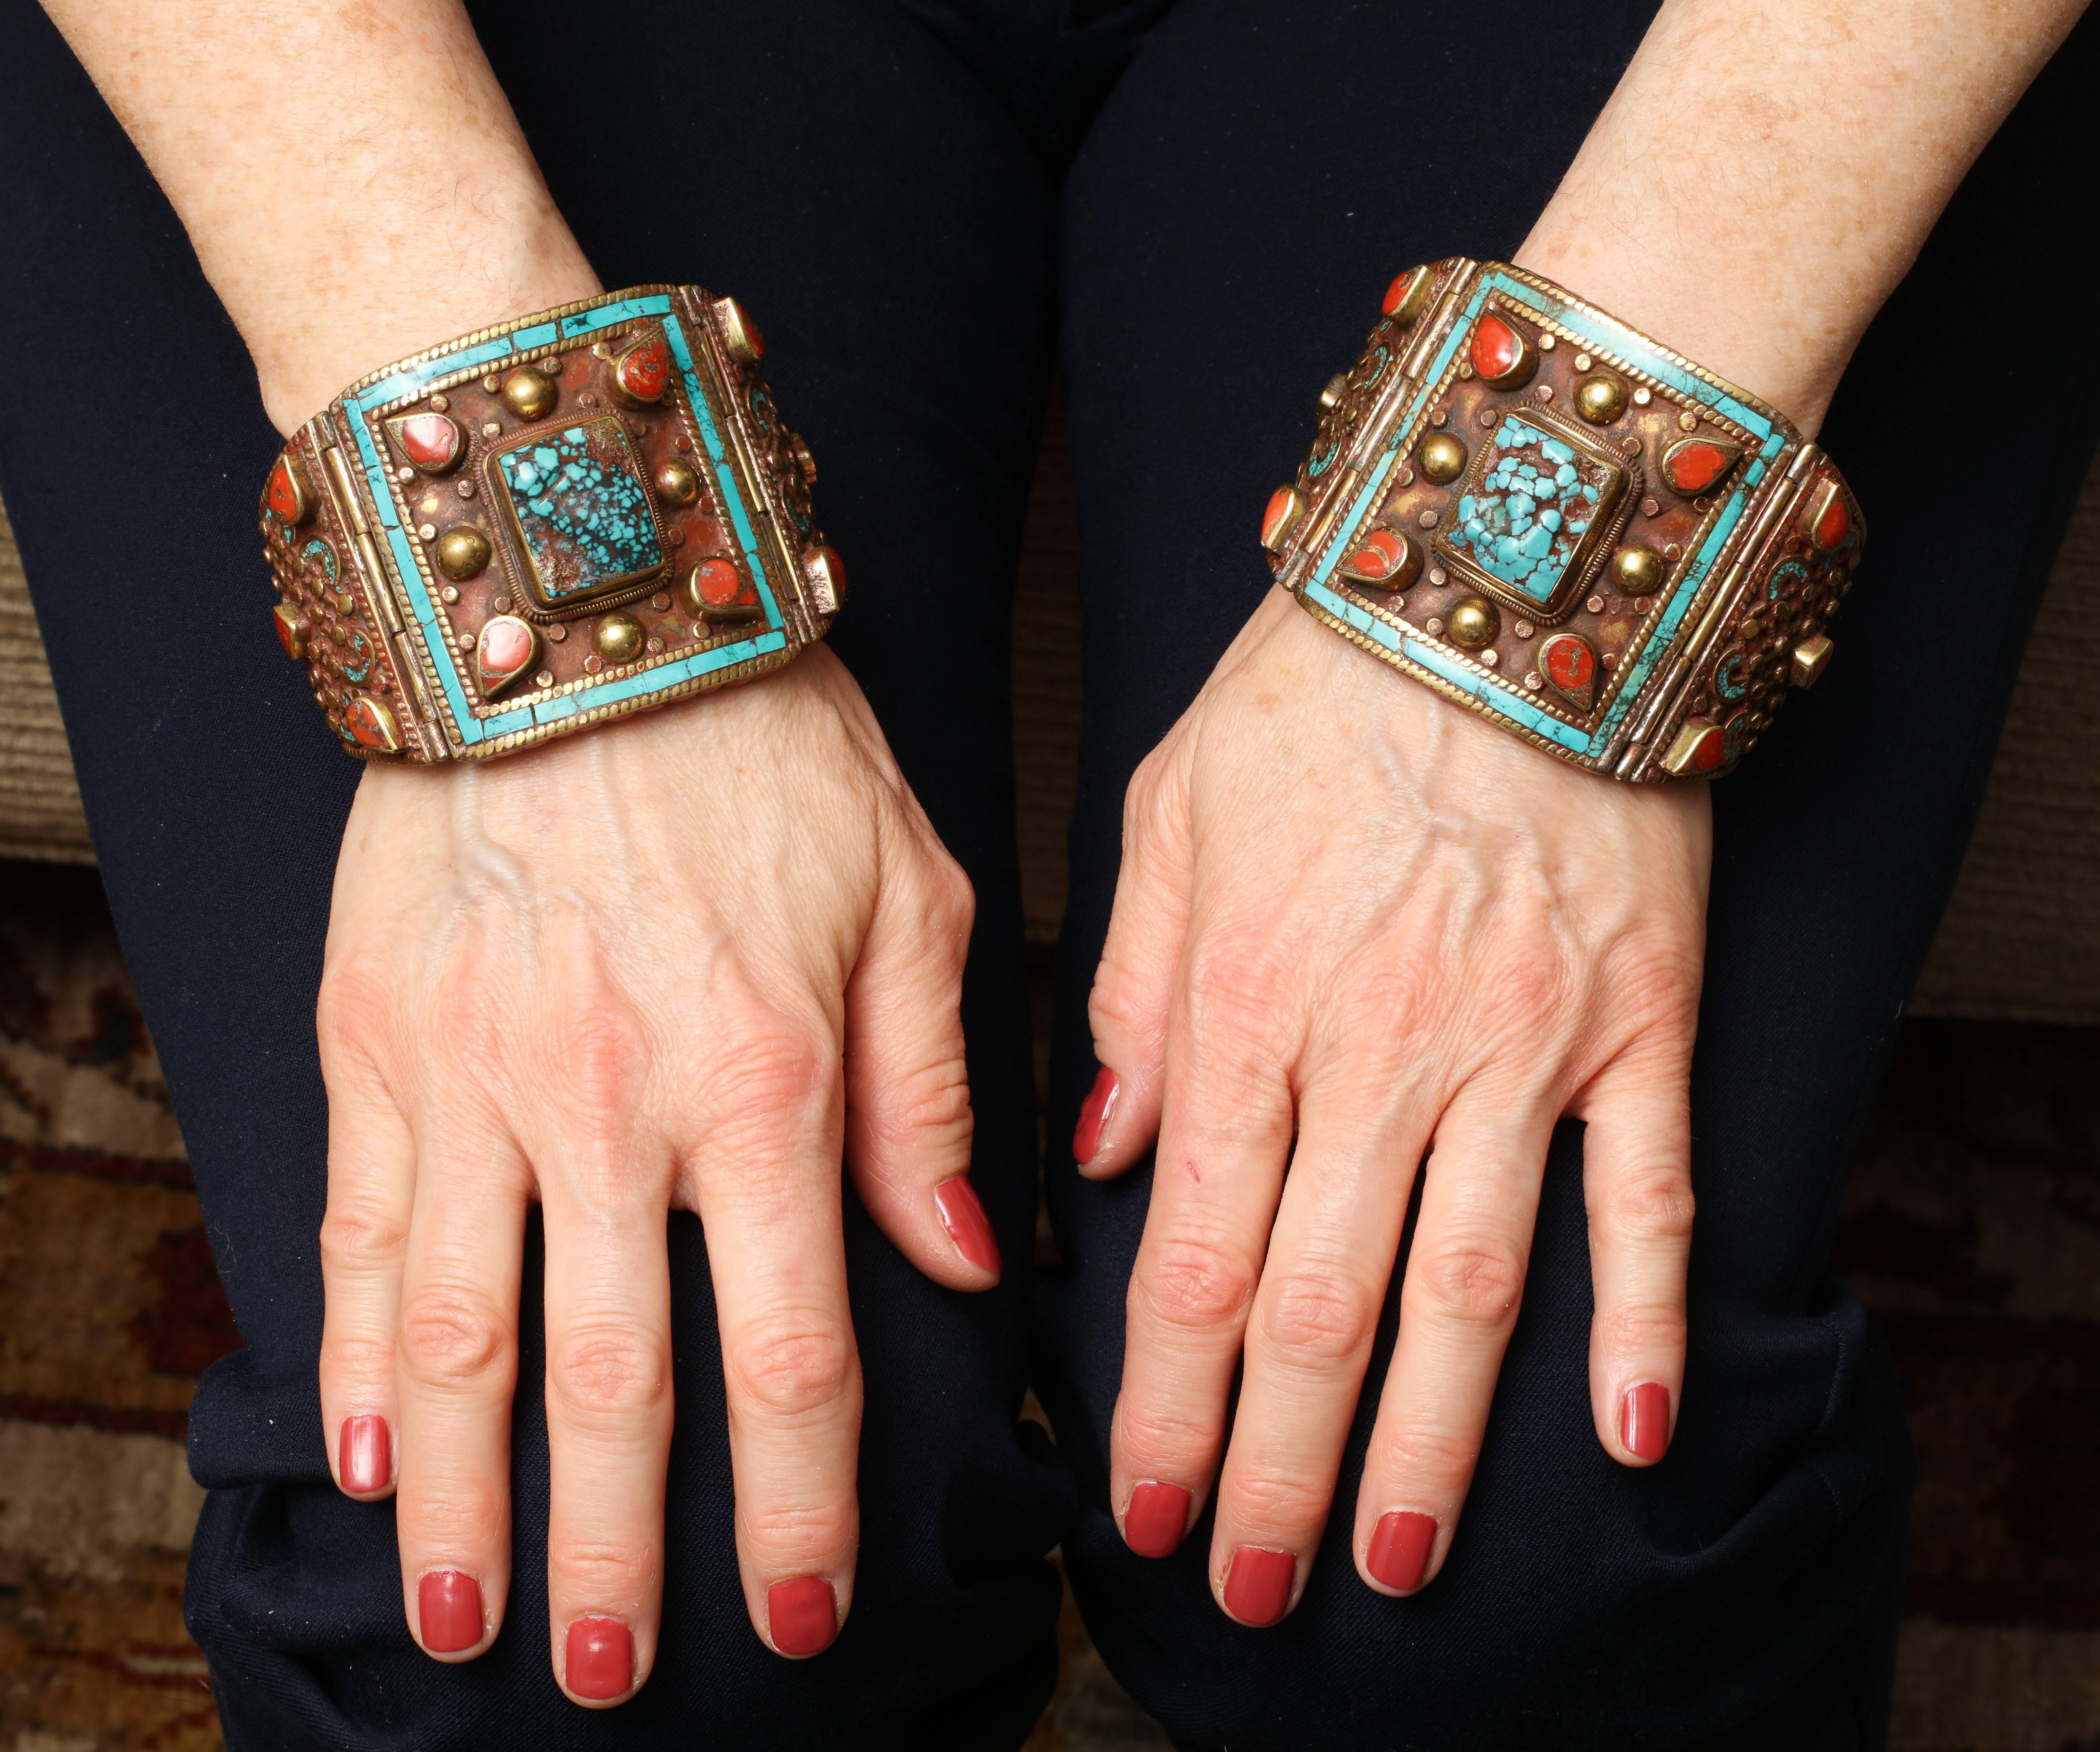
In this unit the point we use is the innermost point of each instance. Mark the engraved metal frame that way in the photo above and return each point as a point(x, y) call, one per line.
point(1658, 710)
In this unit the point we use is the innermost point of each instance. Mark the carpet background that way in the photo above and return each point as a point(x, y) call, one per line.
point(1972, 1226)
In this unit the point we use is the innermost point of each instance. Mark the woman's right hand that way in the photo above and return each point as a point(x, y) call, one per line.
point(675, 963)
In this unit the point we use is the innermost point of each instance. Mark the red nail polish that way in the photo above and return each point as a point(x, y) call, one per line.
point(1644, 1423)
point(1258, 1586)
point(365, 1458)
point(601, 1657)
point(963, 1215)
point(1156, 1518)
point(1095, 1112)
point(802, 1615)
point(448, 1607)
point(1399, 1549)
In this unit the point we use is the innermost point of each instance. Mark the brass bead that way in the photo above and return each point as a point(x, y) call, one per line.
point(1337, 386)
point(1811, 657)
point(1473, 622)
point(529, 394)
point(1600, 398)
point(1637, 570)
point(678, 482)
point(462, 551)
point(804, 461)
point(618, 638)
point(1443, 458)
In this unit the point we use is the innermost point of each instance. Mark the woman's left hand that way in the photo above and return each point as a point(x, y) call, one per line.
point(1355, 924)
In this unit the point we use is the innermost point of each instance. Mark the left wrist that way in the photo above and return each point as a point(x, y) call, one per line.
point(1722, 315)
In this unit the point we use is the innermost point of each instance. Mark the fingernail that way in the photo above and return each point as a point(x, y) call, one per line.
point(1156, 1519)
point(601, 1657)
point(448, 1607)
point(1258, 1586)
point(364, 1457)
point(1095, 1112)
point(802, 1615)
point(1644, 1423)
point(1399, 1549)
point(963, 1215)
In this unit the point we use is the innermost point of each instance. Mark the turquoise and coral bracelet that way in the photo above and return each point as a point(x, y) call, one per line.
point(1563, 526)
point(536, 527)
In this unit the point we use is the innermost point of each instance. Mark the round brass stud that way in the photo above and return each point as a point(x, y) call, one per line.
point(804, 460)
point(529, 394)
point(1637, 570)
point(1443, 458)
point(678, 482)
point(1337, 387)
point(1473, 622)
point(618, 638)
point(462, 551)
point(1600, 398)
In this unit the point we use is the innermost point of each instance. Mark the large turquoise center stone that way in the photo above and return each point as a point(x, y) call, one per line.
point(581, 514)
point(1525, 516)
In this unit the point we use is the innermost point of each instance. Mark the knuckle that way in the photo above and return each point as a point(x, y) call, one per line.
point(784, 1531)
point(608, 1374)
point(1469, 1281)
point(602, 1051)
point(359, 1357)
point(1235, 975)
point(1193, 1284)
point(926, 1110)
point(357, 1239)
point(1151, 1435)
point(453, 1337)
point(1514, 991)
point(1317, 1318)
point(352, 1011)
point(1653, 1203)
point(608, 1570)
point(1439, 1455)
point(771, 1075)
point(790, 1372)
point(1643, 1329)
point(467, 1513)
point(1262, 1498)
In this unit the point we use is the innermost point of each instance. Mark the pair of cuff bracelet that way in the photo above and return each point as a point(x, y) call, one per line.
point(1513, 497)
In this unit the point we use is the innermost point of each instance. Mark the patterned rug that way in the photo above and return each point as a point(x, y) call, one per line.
point(1972, 1225)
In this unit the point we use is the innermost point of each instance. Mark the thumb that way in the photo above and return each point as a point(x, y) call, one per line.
point(1134, 984)
point(908, 1119)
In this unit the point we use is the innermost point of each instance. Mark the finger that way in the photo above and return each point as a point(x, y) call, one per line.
point(767, 1194)
point(457, 1364)
point(1222, 1149)
point(364, 1244)
point(908, 1121)
point(1637, 1182)
point(1133, 989)
point(1316, 1315)
point(609, 1408)
point(1458, 1303)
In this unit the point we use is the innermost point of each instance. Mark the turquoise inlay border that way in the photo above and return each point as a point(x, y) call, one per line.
point(718, 454)
point(1607, 335)
point(609, 315)
point(1492, 693)
point(409, 382)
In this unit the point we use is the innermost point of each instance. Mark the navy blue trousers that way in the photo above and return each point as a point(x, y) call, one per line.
point(932, 205)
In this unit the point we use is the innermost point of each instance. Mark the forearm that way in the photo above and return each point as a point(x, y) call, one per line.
point(1768, 170)
point(352, 179)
